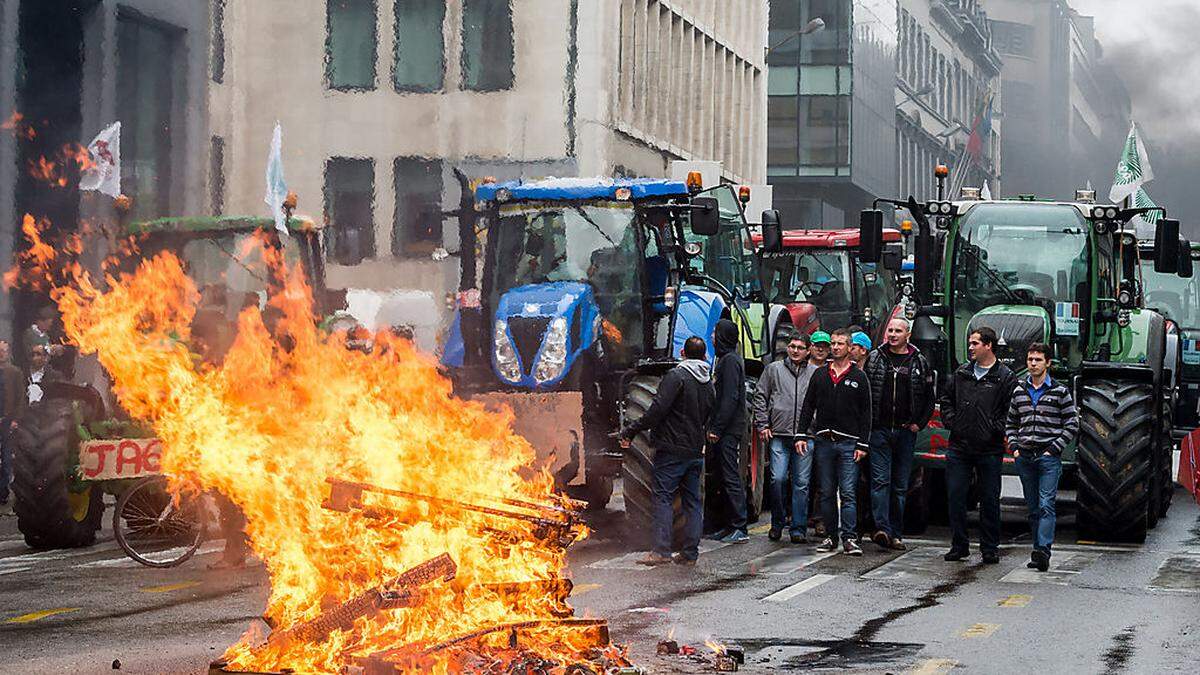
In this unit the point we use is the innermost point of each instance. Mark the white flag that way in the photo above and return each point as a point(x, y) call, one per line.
point(104, 174)
point(1133, 170)
point(986, 193)
point(276, 185)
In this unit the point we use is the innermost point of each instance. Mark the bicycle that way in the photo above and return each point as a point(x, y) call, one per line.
point(158, 528)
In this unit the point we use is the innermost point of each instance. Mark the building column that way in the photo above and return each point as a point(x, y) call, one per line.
point(8, 151)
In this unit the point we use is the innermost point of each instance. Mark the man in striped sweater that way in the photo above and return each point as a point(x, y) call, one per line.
point(1041, 422)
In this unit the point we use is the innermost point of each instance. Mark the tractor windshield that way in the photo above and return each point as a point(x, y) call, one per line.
point(1174, 297)
point(723, 256)
point(818, 276)
point(227, 269)
point(1018, 253)
point(543, 242)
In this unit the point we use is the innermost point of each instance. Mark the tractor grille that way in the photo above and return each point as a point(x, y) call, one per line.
point(527, 333)
point(1016, 332)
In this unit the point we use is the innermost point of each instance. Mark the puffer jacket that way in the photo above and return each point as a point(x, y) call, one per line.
point(920, 385)
point(780, 395)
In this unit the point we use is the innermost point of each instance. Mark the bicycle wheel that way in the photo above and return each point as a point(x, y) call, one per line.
point(155, 528)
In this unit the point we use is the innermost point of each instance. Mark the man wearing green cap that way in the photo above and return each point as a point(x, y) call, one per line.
point(818, 352)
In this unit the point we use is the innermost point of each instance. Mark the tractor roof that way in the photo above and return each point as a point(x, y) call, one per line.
point(214, 225)
point(847, 238)
point(571, 189)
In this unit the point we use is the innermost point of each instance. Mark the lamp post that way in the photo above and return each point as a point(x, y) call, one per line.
point(817, 24)
point(914, 95)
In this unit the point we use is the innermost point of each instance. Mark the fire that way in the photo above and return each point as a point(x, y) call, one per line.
point(16, 124)
point(54, 172)
point(290, 409)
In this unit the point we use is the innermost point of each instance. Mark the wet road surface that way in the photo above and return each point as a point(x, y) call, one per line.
point(1100, 609)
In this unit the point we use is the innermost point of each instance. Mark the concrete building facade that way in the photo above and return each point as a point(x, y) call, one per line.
point(1065, 113)
point(831, 102)
point(947, 86)
point(380, 100)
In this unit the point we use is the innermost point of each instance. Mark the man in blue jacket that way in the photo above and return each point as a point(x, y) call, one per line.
point(727, 427)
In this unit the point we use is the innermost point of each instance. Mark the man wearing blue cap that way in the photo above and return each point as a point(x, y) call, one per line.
point(860, 346)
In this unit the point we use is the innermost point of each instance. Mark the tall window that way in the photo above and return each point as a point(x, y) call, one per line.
point(218, 41)
point(417, 228)
point(146, 54)
point(350, 209)
point(487, 45)
point(419, 62)
point(350, 44)
point(216, 175)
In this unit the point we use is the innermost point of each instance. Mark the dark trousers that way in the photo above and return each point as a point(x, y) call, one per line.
point(6, 459)
point(838, 474)
point(1039, 482)
point(728, 449)
point(960, 468)
point(891, 466)
point(674, 473)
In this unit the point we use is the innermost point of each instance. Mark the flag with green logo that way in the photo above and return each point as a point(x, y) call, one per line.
point(1145, 223)
point(1133, 170)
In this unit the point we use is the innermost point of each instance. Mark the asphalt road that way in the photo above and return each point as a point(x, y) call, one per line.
point(1101, 609)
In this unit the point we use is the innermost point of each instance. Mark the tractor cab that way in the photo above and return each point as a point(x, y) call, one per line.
point(1177, 298)
point(820, 278)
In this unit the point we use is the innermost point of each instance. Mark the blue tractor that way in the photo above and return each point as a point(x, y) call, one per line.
point(576, 296)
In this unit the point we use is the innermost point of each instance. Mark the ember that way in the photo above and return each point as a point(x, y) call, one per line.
point(400, 527)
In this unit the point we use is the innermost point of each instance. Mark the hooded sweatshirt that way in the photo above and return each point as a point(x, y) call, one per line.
point(729, 414)
point(677, 418)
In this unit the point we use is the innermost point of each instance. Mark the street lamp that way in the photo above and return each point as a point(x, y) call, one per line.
point(816, 25)
point(914, 95)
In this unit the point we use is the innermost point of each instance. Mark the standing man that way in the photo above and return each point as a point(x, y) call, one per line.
point(837, 405)
point(12, 400)
point(818, 349)
point(902, 399)
point(974, 407)
point(860, 347)
point(777, 401)
point(676, 421)
point(727, 426)
point(1042, 420)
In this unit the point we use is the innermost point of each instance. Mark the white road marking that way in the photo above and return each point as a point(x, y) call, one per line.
point(920, 562)
point(1180, 574)
point(14, 570)
point(1063, 567)
point(786, 561)
point(798, 588)
point(205, 549)
point(629, 561)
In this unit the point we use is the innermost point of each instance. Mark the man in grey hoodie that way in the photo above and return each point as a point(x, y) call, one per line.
point(677, 420)
point(777, 403)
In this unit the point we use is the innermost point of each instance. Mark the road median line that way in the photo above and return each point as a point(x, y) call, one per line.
point(38, 616)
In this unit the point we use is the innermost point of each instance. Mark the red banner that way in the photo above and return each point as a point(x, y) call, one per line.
point(1189, 463)
point(120, 458)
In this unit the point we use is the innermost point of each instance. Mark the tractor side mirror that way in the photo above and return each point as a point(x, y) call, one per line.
point(706, 216)
point(1166, 246)
point(893, 258)
point(1186, 270)
point(870, 240)
point(772, 231)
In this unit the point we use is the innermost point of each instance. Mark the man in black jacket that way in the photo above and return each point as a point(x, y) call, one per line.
point(837, 409)
point(974, 408)
point(676, 420)
point(726, 428)
point(902, 399)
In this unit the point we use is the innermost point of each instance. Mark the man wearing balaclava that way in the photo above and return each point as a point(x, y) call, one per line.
point(726, 429)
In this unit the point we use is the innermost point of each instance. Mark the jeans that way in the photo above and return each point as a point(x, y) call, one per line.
point(891, 466)
point(1039, 481)
point(6, 461)
point(677, 473)
point(839, 474)
point(728, 449)
point(787, 465)
point(960, 466)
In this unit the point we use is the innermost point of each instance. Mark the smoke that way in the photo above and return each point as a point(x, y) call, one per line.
point(1151, 46)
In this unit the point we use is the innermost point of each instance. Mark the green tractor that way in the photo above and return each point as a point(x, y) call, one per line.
point(1177, 297)
point(1061, 273)
point(57, 486)
point(576, 296)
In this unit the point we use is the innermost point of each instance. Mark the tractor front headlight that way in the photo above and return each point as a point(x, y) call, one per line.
point(554, 352)
point(505, 354)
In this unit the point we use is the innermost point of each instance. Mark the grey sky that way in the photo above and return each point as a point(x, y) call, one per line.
point(1152, 44)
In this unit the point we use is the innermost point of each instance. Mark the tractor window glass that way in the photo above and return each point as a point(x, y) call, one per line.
point(1173, 296)
point(228, 269)
point(1020, 254)
point(724, 256)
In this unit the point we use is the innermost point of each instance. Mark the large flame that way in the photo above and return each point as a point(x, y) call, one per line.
point(270, 424)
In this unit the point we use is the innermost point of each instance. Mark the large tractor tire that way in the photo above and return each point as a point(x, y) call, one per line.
point(1116, 459)
point(49, 513)
point(637, 470)
point(1168, 456)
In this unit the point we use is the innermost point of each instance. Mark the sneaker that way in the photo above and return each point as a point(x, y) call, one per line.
point(775, 534)
point(882, 540)
point(679, 559)
point(991, 559)
point(897, 545)
point(826, 546)
point(736, 537)
point(719, 535)
point(1031, 565)
point(799, 539)
point(1041, 561)
point(653, 559)
point(851, 547)
point(954, 556)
